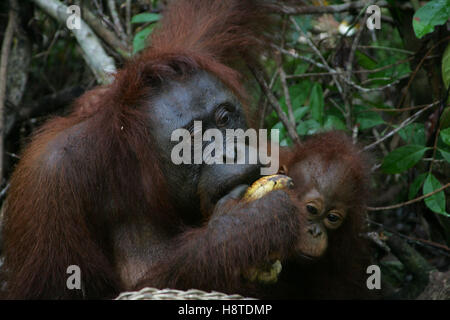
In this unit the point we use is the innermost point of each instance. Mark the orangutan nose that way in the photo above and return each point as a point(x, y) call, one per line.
point(315, 230)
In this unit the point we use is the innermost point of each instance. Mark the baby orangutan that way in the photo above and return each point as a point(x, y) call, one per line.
point(330, 177)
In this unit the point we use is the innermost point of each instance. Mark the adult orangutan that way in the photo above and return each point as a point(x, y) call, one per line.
point(97, 189)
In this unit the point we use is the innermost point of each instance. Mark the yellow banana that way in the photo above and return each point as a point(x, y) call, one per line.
point(265, 274)
point(264, 185)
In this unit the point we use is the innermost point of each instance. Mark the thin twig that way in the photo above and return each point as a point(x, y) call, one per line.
point(351, 57)
point(279, 61)
point(401, 109)
point(293, 53)
point(292, 133)
point(386, 48)
point(318, 53)
point(50, 47)
point(337, 106)
point(105, 18)
point(382, 146)
point(284, 84)
point(108, 36)
point(4, 191)
point(12, 155)
point(348, 76)
point(263, 112)
point(298, 10)
point(115, 16)
point(368, 81)
point(413, 75)
point(6, 47)
point(399, 205)
point(343, 72)
point(437, 129)
point(101, 64)
point(345, 76)
point(363, 89)
point(401, 126)
point(105, 34)
point(431, 243)
point(355, 44)
point(422, 242)
point(128, 17)
point(433, 160)
point(436, 138)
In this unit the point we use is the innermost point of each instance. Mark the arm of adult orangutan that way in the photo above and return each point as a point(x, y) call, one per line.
point(214, 256)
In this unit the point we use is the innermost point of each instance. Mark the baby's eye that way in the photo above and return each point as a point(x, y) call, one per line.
point(312, 209)
point(333, 218)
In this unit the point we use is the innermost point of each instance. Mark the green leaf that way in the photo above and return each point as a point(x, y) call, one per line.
point(305, 22)
point(300, 113)
point(436, 202)
point(367, 118)
point(434, 13)
point(279, 125)
point(316, 103)
point(445, 155)
point(145, 17)
point(284, 142)
point(393, 271)
point(365, 61)
point(416, 185)
point(446, 66)
point(301, 68)
point(445, 117)
point(334, 123)
point(413, 133)
point(445, 136)
point(402, 159)
point(140, 39)
point(308, 127)
point(298, 93)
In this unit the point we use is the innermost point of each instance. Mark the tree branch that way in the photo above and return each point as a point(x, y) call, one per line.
point(401, 126)
point(6, 47)
point(128, 18)
point(292, 133)
point(298, 10)
point(98, 61)
point(116, 19)
point(108, 36)
point(395, 206)
point(414, 263)
point(284, 84)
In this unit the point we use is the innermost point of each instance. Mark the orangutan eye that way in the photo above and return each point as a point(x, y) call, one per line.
point(223, 120)
point(223, 114)
point(311, 209)
point(333, 218)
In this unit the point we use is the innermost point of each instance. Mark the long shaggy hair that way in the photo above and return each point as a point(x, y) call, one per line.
point(102, 152)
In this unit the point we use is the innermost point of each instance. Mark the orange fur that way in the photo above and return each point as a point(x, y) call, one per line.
point(341, 273)
point(57, 211)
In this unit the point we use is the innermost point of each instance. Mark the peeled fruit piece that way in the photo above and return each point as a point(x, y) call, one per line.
point(266, 184)
point(265, 274)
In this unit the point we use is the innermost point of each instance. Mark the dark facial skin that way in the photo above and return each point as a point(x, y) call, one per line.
point(324, 207)
point(201, 97)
